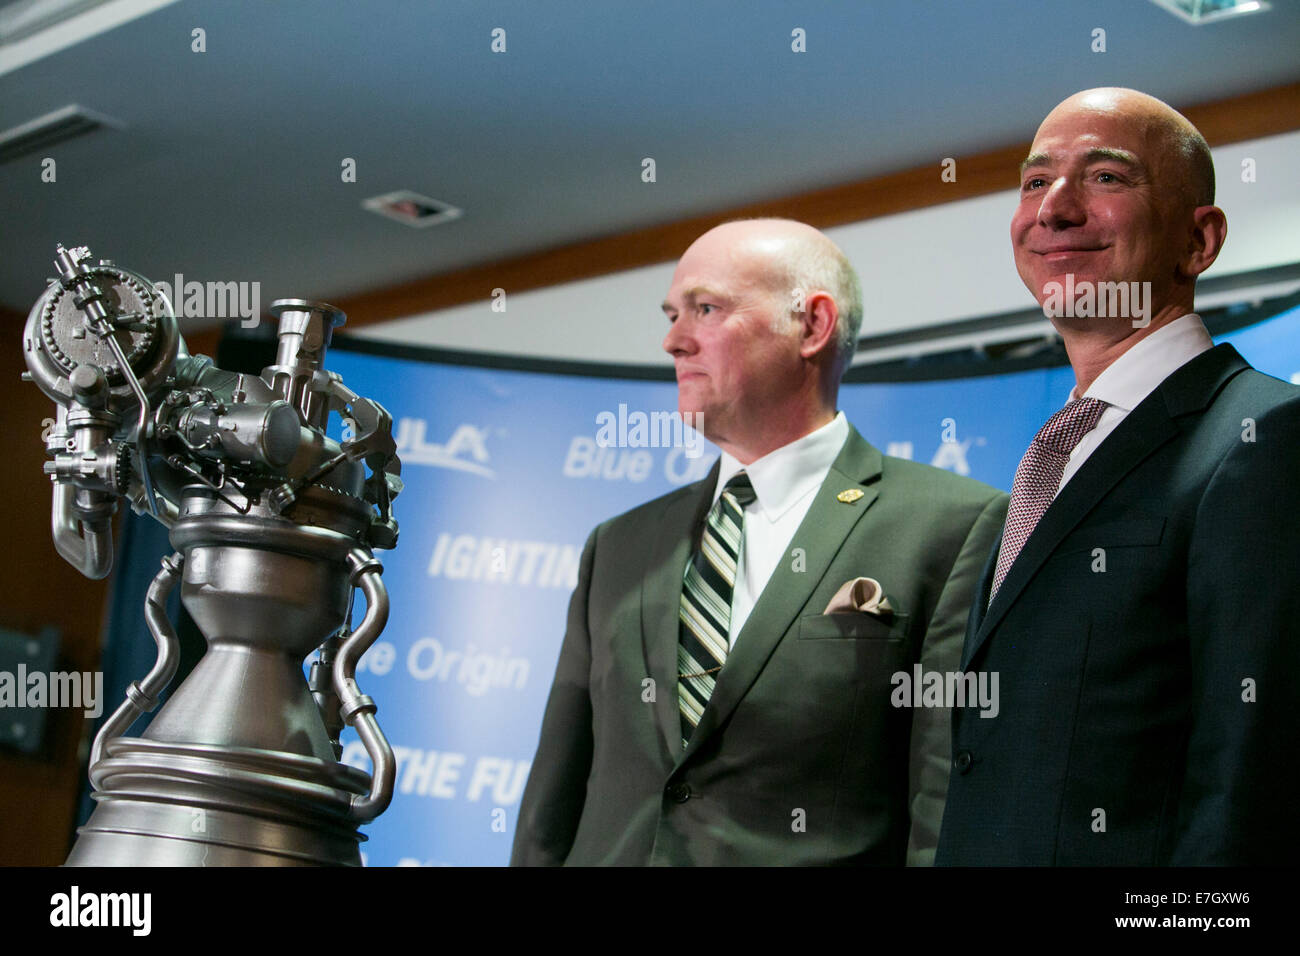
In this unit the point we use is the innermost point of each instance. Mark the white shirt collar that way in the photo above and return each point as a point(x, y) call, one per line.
point(782, 477)
point(1125, 382)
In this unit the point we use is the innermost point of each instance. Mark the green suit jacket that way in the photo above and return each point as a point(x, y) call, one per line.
point(800, 757)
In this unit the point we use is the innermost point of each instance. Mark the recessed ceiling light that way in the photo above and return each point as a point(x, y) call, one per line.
point(412, 208)
point(1197, 12)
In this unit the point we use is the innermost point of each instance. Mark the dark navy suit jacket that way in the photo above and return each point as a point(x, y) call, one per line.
point(1147, 643)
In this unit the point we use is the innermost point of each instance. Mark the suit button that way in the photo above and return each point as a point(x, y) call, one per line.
point(679, 792)
point(962, 761)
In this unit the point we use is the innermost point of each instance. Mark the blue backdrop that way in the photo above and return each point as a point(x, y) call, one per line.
point(504, 480)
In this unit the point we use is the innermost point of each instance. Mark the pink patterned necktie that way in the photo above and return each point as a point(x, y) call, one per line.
point(1039, 476)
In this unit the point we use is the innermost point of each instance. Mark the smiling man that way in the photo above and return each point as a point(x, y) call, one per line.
point(723, 694)
point(1141, 608)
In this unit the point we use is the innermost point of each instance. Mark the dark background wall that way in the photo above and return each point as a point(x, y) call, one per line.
point(38, 793)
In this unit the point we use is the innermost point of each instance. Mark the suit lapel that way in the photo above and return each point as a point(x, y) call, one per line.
point(821, 535)
point(1188, 390)
point(661, 596)
point(980, 609)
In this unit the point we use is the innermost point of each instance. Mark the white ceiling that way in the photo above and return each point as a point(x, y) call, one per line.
point(227, 166)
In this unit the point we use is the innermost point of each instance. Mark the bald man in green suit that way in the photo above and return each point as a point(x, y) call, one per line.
point(726, 689)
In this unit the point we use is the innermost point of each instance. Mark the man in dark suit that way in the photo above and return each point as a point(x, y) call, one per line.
point(706, 709)
point(1142, 610)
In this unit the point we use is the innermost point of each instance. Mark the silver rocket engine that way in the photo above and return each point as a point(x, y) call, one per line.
point(273, 524)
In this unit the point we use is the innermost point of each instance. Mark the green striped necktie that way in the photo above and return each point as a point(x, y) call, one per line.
point(706, 601)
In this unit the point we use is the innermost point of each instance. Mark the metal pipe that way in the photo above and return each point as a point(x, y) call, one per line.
point(364, 809)
point(142, 696)
point(358, 709)
point(142, 423)
point(87, 548)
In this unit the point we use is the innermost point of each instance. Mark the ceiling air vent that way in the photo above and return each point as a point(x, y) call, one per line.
point(412, 208)
point(45, 132)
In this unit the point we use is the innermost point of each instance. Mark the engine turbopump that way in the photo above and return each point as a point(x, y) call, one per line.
point(273, 524)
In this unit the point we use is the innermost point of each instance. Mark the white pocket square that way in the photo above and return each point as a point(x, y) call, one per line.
point(861, 594)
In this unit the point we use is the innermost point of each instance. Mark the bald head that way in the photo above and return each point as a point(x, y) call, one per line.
point(763, 318)
point(792, 260)
point(1117, 192)
point(1184, 153)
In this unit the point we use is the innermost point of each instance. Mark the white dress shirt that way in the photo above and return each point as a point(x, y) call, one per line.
point(1133, 376)
point(785, 482)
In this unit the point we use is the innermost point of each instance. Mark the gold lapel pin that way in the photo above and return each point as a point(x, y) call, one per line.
point(849, 495)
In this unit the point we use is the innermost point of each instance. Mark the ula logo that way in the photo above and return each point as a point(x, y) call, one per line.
point(466, 450)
